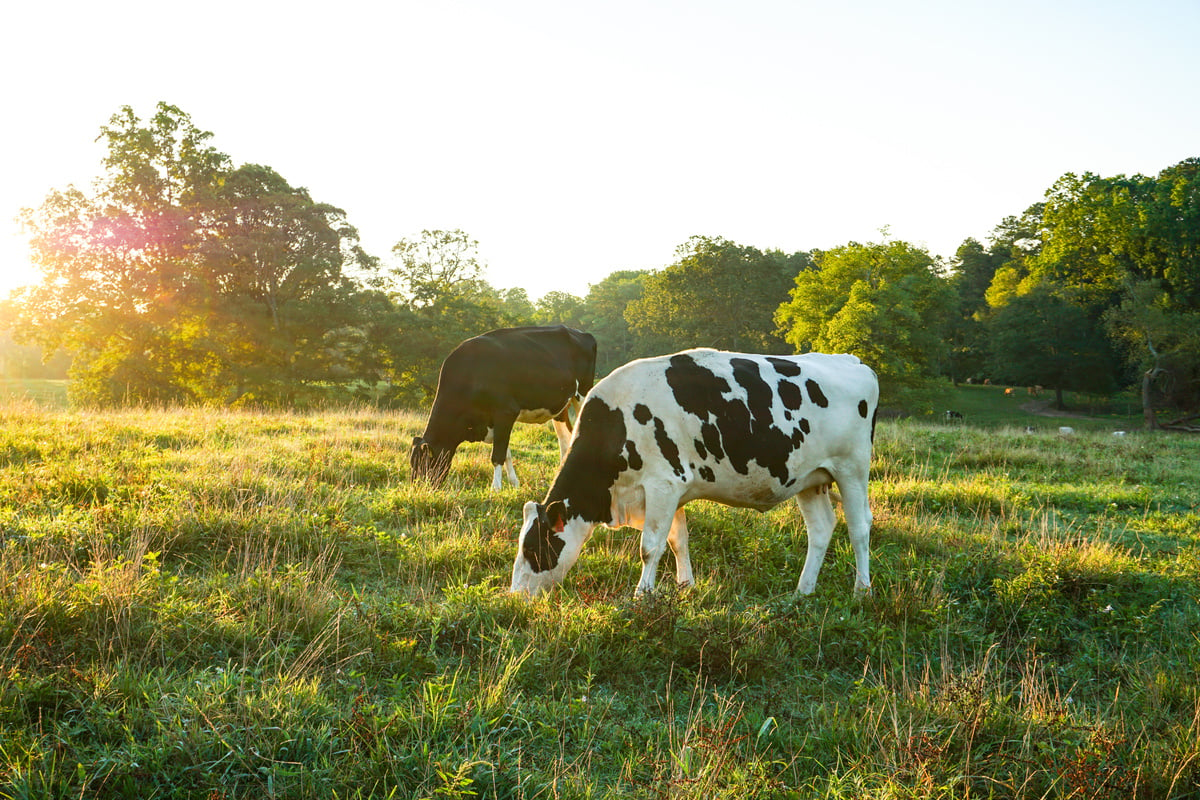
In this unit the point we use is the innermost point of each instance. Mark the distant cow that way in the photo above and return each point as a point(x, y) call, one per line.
point(953, 416)
point(743, 430)
point(504, 376)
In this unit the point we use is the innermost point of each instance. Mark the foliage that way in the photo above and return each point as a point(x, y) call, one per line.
point(887, 303)
point(182, 279)
point(438, 299)
point(1040, 339)
point(717, 294)
point(1124, 250)
point(204, 603)
point(605, 318)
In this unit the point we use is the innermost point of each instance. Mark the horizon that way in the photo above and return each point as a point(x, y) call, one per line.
point(574, 142)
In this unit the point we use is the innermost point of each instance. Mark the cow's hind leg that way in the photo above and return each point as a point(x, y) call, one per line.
point(501, 455)
point(656, 531)
point(678, 539)
point(508, 470)
point(819, 519)
point(563, 431)
point(562, 426)
point(857, 509)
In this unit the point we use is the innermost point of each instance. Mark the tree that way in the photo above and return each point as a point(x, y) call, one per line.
point(279, 265)
point(717, 294)
point(604, 317)
point(559, 308)
point(1124, 250)
point(442, 299)
point(116, 278)
point(887, 303)
point(1038, 338)
point(160, 280)
point(436, 264)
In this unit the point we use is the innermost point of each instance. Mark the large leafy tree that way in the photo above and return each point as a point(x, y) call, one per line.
point(279, 267)
point(559, 308)
point(441, 298)
point(1038, 338)
point(717, 294)
point(887, 303)
point(1125, 251)
point(604, 317)
point(978, 270)
point(117, 285)
point(180, 278)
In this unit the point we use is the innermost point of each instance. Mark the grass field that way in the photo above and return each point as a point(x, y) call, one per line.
point(223, 605)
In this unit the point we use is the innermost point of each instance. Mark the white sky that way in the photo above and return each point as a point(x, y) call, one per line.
point(572, 139)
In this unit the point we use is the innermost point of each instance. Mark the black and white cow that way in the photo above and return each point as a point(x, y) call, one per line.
point(498, 378)
point(743, 430)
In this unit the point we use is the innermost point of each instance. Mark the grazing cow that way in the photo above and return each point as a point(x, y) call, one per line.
point(953, 416)
point(743, 430)
point(504, 376)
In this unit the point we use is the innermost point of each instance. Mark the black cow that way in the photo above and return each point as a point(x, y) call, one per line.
point(498, 378)
point(740, 429)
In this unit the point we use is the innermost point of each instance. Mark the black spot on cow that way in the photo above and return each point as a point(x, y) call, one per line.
point(862, 408)
point(596, 461)
point(788, 369)
point(701, 450)
point(642, 414)
point(669, 449)
point(712, 440)
point(804, 426)
point(815, 394)
point(707, 474)
point(634, 457)
point(791, 395)
point(744, 430)
point(542, 545)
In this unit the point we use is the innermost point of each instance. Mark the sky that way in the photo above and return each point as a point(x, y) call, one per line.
point(574, 139)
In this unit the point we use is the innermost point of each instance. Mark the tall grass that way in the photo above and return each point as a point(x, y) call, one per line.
point(199, 603)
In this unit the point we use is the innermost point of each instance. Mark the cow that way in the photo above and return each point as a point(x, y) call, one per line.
point(489, 382)
point(739, 429)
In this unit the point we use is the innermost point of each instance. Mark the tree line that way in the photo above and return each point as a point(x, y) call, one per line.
point(184, 278)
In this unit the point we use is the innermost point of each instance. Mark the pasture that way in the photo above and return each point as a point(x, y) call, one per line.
point(199, 603)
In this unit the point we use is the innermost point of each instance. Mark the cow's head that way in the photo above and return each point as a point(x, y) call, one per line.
point(549, 544)
point(429, 462)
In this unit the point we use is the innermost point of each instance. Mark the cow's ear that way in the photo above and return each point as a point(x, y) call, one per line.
point(556, 513)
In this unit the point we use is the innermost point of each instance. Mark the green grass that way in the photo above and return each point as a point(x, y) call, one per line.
point(990, 407)
point(219, 604)
point(51, 393)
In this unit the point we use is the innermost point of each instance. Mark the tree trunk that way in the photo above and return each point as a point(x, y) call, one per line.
point(1148, 398)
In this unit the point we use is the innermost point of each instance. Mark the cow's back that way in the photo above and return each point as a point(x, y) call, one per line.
point(741, 429)
point(531, 367)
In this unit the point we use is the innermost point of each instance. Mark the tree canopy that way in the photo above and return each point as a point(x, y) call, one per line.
point(888, 303)
point(180, 276)
point(717, 294)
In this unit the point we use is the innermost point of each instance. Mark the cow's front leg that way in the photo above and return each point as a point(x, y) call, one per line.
point(678, 539)
point(656, 531)
point(501, 455)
